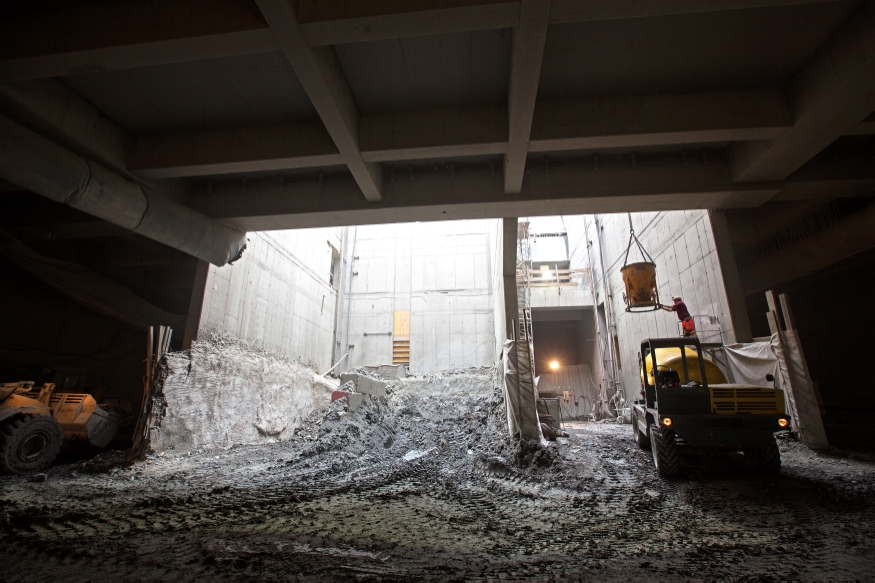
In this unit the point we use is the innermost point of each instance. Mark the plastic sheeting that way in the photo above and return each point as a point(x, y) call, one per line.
point(750, 363)
point(519, 387)
point(88, 288)
point(782, 356)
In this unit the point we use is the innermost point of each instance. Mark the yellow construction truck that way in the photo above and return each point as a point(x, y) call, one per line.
point(34, 422)
point(686, 406)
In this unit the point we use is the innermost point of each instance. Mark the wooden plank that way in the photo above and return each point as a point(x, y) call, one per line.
point(789, 321)
point(773, 307)
point(770, 300)
point(401, 325)
point(773, 322)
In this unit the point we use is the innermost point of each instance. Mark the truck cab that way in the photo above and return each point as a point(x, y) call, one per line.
point(681, 412)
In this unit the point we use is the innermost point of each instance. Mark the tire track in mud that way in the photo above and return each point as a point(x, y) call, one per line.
point(599, 509)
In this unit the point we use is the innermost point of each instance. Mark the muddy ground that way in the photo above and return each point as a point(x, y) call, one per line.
point(423, 488)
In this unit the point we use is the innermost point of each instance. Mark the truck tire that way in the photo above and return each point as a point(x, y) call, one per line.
point(29, 443)
point(641, 439)
point(767, 458)
point(665, 453)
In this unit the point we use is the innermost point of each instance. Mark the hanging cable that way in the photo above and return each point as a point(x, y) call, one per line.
point(633, 237)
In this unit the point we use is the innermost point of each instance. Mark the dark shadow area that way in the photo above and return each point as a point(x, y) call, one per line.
point(835, 317)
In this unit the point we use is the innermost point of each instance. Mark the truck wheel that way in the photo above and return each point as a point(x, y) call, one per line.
point(29, 443)
point(641, 440)
point(665, 453)
point(767, 458)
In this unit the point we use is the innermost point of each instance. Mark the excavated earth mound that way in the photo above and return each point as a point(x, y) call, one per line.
point(224, 392)
point(422, 484)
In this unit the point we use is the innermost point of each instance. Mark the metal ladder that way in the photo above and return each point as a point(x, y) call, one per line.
point(523, 268)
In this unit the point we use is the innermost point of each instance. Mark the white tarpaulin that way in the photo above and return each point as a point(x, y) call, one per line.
point(749, 364)
point(782, 357)
point(519, 391)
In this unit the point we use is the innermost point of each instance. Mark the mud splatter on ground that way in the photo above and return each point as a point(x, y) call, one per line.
point(421, 484)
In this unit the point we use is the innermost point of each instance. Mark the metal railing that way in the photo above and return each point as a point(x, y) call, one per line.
point(708, 328)
point(560, 277)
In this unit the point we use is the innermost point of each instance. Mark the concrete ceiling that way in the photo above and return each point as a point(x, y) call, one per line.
point(685, 53)
point(277, 114)
point(237, 91)
point(429, 72)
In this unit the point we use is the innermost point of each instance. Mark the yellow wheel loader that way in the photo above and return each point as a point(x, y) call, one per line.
point(35, 421)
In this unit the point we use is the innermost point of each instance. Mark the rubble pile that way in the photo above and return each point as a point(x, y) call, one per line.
point(460, 414)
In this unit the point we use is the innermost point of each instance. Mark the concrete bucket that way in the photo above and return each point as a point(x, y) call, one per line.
point(641, 293)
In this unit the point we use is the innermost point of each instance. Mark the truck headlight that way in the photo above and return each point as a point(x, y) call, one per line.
point(783, 423)
point(666, 421)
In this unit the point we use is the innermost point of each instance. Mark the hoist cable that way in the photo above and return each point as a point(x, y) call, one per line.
point(641, 248)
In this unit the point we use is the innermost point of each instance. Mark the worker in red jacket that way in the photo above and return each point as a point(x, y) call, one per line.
point(680, 308)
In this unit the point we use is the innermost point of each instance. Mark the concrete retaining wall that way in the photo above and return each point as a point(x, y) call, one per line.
point(442, 273)
point(278, 296)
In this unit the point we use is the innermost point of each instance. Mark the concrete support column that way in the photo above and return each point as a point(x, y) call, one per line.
point(511, 301)
point(731, 279)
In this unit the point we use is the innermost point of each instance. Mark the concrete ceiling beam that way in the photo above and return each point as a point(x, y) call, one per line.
point(594, 10)
point(829, 97)
point(340, 22)
point(422, 135)
point(241, 150)
point(476, 192)
point(322, 77)
point(835, 172)
point(527, 54)
point(123, 35)
point(140, 33)
point(398, 137)
point(864, 128)
point(629, 122)
point(590, 124)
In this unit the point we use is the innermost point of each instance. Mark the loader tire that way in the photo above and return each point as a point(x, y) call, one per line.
point(665, 453)
point(29, 443)
point(767, 458)
point(641, 439)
